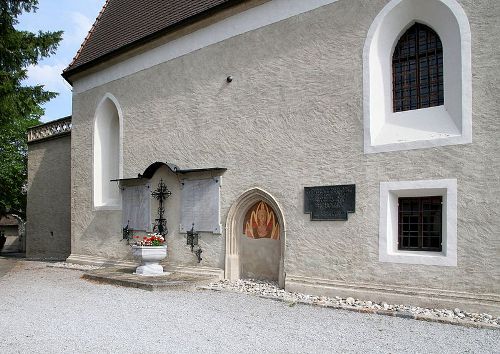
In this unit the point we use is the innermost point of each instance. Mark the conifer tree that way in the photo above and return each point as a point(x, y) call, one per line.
point(20, 105)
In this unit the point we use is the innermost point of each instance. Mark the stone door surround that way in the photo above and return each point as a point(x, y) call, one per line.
point(234, 230)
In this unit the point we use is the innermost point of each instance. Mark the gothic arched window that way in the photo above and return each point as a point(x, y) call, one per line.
point(107, 156)
point(417, 70)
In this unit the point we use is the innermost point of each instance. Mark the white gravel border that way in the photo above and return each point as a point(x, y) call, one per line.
point(271, 290)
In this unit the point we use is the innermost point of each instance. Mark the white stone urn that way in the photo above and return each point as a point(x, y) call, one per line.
point(149, 256)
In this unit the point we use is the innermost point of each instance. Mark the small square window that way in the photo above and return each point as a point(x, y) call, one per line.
point(419, 223)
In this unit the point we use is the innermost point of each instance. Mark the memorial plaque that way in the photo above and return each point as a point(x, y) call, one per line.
point(200, 205)
point(136, 207)
point(329, 202)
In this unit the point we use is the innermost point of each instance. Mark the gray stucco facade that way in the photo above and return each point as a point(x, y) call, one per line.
point(48, 226)
point(292, 118)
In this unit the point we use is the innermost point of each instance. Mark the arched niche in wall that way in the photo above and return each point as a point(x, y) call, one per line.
point(107, 153)
point(242, 229)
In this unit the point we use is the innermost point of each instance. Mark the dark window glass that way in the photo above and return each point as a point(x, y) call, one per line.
point(420, 223)
point(417, 70)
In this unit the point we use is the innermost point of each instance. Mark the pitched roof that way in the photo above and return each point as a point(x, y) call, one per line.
point(124, 24)
point(8, 220)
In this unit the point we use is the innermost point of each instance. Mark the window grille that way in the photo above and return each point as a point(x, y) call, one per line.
point(420, 223)
point(417, 70)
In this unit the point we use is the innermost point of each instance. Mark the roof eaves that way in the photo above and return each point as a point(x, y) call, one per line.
point(68, 72)
point(75, 58)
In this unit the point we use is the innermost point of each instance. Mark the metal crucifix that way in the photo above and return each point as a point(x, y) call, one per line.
point(161, 194)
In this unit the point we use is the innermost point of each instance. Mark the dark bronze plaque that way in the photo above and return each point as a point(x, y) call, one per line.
point(329, 202)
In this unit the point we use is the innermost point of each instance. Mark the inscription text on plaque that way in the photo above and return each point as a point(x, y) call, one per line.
point(329, 202)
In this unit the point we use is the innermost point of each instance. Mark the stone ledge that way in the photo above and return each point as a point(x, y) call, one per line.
point(105, 262)
point(99, 261)
point(424, 297)
point(125, 277)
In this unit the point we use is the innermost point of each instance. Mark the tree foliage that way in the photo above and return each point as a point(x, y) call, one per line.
point(20, 106)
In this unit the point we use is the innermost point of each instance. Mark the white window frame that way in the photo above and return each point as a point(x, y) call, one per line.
point(449, 124)
point(388, 221)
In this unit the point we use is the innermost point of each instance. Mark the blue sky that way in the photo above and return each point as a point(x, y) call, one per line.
point(74, 17)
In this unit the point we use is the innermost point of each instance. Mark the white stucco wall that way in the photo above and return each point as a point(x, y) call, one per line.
point(293, 117)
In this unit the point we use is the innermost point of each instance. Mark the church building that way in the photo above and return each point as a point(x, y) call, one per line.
point(337, 147)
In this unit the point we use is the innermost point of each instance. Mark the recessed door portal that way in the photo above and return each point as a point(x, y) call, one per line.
point(255, 238)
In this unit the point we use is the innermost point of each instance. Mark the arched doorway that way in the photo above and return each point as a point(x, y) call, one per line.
point(252, 251)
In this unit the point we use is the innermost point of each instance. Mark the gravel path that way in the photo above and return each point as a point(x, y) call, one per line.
point(52, 310)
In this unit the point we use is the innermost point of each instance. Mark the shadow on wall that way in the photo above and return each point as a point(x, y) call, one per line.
point(103, 237)
point(48, 228)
